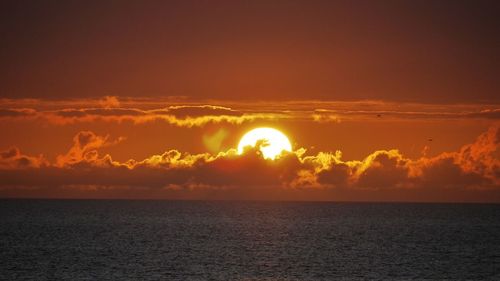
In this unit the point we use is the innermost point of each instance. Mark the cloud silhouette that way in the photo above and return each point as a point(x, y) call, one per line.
point(82, 171)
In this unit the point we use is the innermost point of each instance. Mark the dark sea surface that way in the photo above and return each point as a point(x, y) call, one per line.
point(186, 240)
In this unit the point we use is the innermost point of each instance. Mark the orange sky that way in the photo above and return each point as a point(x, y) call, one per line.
point(382, 100)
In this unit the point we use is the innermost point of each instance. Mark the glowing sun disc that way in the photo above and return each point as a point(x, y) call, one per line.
point(274, 142)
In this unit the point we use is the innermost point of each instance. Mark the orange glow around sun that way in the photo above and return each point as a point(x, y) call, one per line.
point(285, 100)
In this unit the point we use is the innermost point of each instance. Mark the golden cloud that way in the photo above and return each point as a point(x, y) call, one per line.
point(475, 166)
point(182, 117)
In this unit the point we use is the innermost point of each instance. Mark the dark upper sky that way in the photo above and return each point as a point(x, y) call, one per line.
point(425, 51)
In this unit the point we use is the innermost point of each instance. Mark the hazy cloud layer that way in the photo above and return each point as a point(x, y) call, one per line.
point(188, 114)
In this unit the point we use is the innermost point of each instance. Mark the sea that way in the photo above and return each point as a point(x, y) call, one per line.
point(243, 240)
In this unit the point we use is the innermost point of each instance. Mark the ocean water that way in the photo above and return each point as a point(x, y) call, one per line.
point(184, 240)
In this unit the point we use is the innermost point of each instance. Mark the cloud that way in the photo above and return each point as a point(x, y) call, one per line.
point(184, 113)
point(383, 169)
point(17, 113)
point(109, 102)
point(474, 166)
point(12, 158)
point(185, 116)
point(335, 115)
point(445, 173)
point(322, 116)
point(483, 156)
point(84, 149)
point(487, 113)
point(82, 171)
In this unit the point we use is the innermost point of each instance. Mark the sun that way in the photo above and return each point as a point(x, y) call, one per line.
point(273, 142)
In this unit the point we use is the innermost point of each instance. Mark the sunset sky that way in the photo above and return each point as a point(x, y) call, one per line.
point(381, 100)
